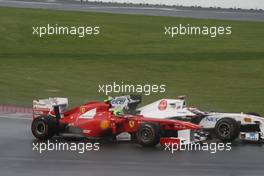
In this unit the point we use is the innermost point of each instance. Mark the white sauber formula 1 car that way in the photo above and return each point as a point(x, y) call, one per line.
point(225, 126)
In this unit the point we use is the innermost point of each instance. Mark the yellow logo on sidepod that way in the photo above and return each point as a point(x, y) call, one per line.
point(82, 110)
point(105, 124)
point(131, 124)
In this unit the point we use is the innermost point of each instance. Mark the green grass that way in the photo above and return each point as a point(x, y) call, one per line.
point(224, 73)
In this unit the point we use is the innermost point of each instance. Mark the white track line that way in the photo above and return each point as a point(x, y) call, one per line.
point(29, 2)
point(13, 117)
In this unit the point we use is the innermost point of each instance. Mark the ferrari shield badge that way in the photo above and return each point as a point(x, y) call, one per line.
point(131, 124)
point(82, 109)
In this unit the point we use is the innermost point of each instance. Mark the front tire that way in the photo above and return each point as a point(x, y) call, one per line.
point(44, 127)
point(148, 134)
point(227, 129)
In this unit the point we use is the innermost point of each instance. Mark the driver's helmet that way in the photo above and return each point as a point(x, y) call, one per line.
point(109, 99)
point(118, 111)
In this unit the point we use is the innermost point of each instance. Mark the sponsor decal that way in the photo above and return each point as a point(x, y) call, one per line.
point(253, 136)
point(163, 105)
point(82, 109)
point(131, 124)
point(211, 119)
point(105, 124)
point(247, 119)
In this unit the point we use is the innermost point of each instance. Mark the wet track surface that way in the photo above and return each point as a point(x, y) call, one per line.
point(18, 158)
point(72, 5)
point(16, 149)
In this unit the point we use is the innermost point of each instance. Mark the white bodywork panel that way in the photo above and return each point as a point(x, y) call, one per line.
point(165, 108)
point(171, 108)
point(89, 114)
point(187, 136)
point(210, 120)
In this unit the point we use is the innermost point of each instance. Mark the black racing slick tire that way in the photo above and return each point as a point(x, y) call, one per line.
point(227, 129)
point(148, 134)
point(254, 114)
point(44, 127)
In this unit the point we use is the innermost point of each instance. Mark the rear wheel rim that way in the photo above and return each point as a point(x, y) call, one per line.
point(40, 128)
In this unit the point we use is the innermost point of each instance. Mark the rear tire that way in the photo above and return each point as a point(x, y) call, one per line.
point(148, 134)
point(227, 129)
point(44, 127)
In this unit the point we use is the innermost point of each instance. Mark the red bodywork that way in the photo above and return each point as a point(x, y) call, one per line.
point(104, 122)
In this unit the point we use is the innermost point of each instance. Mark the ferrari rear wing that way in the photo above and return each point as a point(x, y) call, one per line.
point(46, 106)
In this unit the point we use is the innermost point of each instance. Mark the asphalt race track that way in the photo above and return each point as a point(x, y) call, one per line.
point(74, 5)
point(18, 158)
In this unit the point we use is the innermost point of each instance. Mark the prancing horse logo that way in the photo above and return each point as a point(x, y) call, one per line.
point(131, 124)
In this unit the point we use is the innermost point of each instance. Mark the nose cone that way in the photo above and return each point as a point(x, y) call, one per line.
point(188, 125)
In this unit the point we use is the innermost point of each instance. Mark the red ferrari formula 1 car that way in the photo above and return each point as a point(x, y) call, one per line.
point(96, 120)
